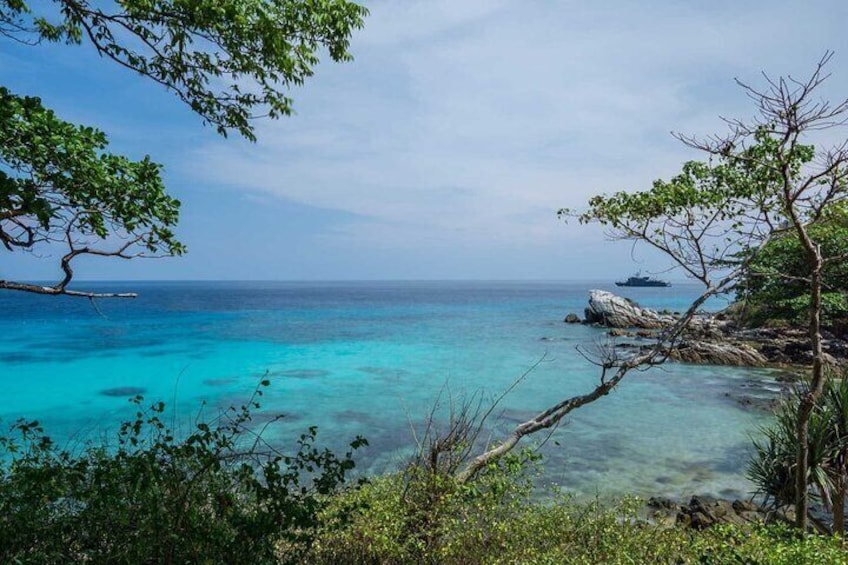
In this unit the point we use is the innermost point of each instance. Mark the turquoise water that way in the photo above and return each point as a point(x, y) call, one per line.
point(371, 359)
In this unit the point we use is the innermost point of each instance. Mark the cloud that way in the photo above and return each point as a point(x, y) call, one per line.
point(466, 125)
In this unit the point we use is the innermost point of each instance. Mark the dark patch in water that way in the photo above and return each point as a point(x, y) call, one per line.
point(158, 353)
point(125, 391)
point(731, 494)
point(733, 460)
point(218, 382)
point(383, 371)
point(22, 358)
point(259, 417)
point(367, 419)
point(302, 373)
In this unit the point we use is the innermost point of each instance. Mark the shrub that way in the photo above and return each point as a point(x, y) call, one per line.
point(221, 494)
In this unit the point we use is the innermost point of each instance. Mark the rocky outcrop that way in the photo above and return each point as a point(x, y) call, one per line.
point(613, 311)
point(705, 511)
point(709, 338)
point(572, 319)
point(718, 353)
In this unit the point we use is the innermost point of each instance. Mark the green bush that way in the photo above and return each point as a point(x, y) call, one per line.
point(485, 531)
point(218, 495)
point(775, 286)
point(498, 519)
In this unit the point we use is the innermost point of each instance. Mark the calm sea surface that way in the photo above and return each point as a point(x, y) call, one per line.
point(371, 359)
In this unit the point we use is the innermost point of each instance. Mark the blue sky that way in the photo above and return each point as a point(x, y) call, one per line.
point(445, 149)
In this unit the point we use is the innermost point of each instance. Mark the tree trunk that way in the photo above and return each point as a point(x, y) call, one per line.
point(809, 400)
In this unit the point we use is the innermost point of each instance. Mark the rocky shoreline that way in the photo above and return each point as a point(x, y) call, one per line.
point(710, 338)
point(714, 339)
point(703, 512)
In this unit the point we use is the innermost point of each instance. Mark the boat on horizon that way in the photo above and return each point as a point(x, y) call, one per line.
point(639, 280)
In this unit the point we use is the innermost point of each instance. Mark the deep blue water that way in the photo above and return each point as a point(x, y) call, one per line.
point(371, 358)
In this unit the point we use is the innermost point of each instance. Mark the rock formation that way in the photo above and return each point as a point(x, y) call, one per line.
point(718, 353)
point(610, 310)
point(705, 511)
point(710, 338)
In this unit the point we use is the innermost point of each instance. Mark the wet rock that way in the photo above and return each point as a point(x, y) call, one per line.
point(745, 506)
point(663, 511)
point(757, 404)
point(665, 503)
point(572, 319)
point(706, 511)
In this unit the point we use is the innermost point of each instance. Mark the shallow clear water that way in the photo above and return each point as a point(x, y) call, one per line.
point(371, 359)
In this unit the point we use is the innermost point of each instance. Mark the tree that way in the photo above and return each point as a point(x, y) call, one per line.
point(764, 180)
point(774, 288)
point(60, 187)
point(230, 61)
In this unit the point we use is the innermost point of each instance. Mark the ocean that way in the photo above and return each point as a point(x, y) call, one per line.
point(372, 359)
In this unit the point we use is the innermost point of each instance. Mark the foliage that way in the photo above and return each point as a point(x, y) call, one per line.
point(776, 283)
point(521, 529)
point(773, 464)
point(58, 184)
point(229, 60)
point(776, 544)
point(421, 516)
point(712, 215)
point(763, 180)
point(219, 495)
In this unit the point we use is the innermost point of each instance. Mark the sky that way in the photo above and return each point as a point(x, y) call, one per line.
point(445, 149)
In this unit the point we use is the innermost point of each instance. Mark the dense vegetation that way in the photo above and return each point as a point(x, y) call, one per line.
point(773, 464)
point(774, 289)
point(481, 527)
point(220, 494)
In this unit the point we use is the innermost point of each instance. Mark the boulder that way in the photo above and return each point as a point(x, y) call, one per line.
point(705, 511)
point(572, 319)
point(610, 310)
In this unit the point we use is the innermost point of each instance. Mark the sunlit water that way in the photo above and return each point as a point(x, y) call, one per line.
point(371, 359)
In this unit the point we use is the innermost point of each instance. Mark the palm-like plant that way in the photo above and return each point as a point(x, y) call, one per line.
point(773, 466)
point(835, 398)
